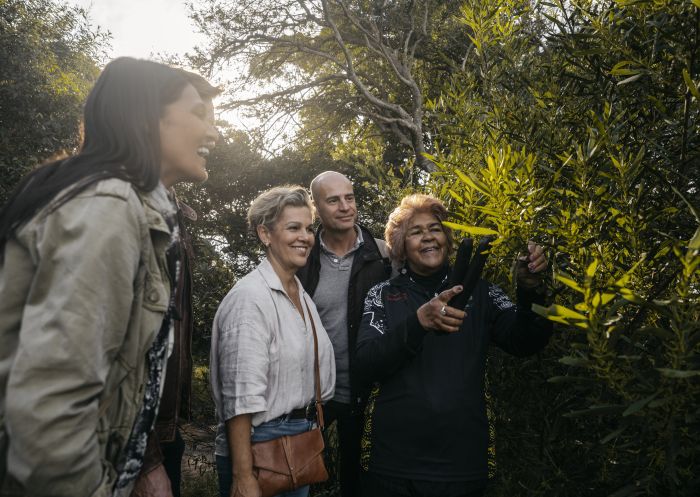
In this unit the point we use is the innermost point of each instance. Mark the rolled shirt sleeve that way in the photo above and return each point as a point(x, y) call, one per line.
point(243, 364)
point(262, 356)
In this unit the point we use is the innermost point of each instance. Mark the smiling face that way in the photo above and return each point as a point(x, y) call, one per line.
point(187, 134)
point(334, 199)
point(426, 244)
point(290, 240)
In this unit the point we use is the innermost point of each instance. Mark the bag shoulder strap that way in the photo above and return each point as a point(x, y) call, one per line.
point(317, 373)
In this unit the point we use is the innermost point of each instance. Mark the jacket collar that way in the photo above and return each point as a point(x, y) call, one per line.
point(158, 206)
point(186, 210)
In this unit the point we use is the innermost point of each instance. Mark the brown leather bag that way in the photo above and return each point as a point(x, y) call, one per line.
point(293, 461)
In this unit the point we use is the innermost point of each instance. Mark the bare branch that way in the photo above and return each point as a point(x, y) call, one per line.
point(287, 91)
point(310, 51)
point(351, 71)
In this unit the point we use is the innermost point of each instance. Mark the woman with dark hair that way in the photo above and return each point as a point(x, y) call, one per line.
point(89, 259)
point(161, 474)
point(426, 431)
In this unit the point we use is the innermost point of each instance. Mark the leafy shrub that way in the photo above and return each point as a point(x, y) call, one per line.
point(576, 125)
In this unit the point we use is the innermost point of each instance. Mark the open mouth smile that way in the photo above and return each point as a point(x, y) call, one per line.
point(429, 250)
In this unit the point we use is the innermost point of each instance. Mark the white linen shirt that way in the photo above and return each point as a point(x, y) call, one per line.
point(262, 352)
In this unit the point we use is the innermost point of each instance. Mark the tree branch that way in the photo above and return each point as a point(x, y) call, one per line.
point(287, 91)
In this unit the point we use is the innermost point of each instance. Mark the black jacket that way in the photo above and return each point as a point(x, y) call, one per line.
point(368, 269)
point(426, 418)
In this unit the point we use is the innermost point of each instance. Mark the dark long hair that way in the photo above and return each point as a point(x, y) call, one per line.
point(121, 140)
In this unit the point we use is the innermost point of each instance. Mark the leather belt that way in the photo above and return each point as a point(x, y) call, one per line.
point(308, 412)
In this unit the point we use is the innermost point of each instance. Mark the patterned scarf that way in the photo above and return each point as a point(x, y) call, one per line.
point(129, 466)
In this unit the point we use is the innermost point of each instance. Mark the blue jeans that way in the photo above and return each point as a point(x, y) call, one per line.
point(266, 431)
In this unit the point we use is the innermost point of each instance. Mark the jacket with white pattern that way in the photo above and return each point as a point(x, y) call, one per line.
point(427, 420)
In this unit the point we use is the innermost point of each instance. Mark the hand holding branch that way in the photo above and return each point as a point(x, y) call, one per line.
point(529, 267)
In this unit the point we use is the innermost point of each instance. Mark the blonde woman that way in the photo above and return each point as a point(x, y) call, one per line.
point(262, 357)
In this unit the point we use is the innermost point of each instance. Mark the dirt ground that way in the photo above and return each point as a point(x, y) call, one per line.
point(199, 449)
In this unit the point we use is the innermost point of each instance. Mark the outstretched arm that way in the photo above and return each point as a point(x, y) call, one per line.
point(516, 328)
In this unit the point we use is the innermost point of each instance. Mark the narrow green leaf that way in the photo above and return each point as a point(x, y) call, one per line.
point(612, 435)
point(607, 297)
point(678, 373)
point(560, 314)
point(565, 312)
point(577, 362)
point(639, 405)
point(569, 282)
point(455, 196)
point(695, 241)
point(628, 275)
point(485, 210)
point(661, 402)
point(470, 182)
point(631, 79)
point(544, 312)
point(590, 270)
point(630, 296)
point(689, 83)
point(474, 230)
point(594, 411)
point(622, 68)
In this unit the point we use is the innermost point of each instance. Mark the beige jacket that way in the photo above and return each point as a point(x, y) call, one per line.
point(83, 291)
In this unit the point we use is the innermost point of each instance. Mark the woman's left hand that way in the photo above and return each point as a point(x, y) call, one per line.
point(536, 260)
point(529, 267)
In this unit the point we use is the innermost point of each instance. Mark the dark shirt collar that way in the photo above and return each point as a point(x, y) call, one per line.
point(432, 283)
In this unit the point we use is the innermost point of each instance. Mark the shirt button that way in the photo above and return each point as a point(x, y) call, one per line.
point(153, 296)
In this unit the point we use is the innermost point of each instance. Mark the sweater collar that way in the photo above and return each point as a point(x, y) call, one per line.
point(432, 282)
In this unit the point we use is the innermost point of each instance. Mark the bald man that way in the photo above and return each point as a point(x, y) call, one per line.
point(345, 262)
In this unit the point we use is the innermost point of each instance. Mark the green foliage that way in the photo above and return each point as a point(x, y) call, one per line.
point(335, 66)
point(571, 123)
point(577, 125)
point(48, 54)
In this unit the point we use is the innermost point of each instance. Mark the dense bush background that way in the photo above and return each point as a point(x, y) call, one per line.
point(574, 123)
